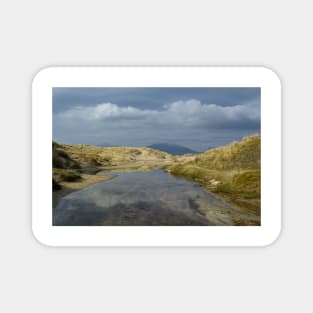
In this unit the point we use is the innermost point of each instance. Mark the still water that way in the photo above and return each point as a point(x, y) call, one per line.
point(140, 198)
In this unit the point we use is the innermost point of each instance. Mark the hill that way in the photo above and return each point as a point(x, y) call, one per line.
point(110, 156)
point(105, 144)
point(75, 166)
point(232, 171)
point(172, 148)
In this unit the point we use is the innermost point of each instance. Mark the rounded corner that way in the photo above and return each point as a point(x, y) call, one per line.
point(38, 238)
point(273, 238)
point(272, 74)
point(40, 74)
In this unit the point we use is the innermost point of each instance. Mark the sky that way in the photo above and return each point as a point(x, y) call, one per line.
point(197, 118)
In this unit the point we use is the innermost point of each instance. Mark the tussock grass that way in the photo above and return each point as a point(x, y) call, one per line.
point(238, 155)
point(61, 159)
point(61, 175)
point(111, 155)
point(247, 184)
point(71, 162)
point(232, 171)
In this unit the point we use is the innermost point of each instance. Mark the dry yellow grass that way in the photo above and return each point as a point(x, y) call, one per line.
point(232, 172)
point(112, 155)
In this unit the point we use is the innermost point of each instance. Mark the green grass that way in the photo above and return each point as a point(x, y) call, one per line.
point(244, 190)
point(189, 171)
point(67, 175)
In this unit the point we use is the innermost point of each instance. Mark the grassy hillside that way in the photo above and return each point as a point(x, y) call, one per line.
point(64, 168)
point(232, 171)
point(112, 155)
point(75, 166)
point(238, 155)
point(70, 173)
point(60, 159)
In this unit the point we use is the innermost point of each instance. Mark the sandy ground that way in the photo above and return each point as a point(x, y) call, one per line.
point(137, 166)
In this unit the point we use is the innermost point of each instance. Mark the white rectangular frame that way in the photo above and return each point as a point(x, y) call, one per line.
point(51, 77)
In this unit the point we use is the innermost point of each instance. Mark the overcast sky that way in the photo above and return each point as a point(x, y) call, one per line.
point(197, 118)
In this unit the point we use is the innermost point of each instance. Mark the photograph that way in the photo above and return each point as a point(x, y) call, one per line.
point(156, 156)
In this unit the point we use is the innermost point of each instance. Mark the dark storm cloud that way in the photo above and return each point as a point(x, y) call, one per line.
point(153, 98)
point(195, 117)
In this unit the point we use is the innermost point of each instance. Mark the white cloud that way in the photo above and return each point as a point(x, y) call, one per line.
point(189, 113)
point(101, 112)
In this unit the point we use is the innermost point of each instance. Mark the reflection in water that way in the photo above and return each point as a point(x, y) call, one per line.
point(139, 198)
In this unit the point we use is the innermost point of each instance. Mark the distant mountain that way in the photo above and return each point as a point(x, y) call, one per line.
point(105, 144)
point(172, 148)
